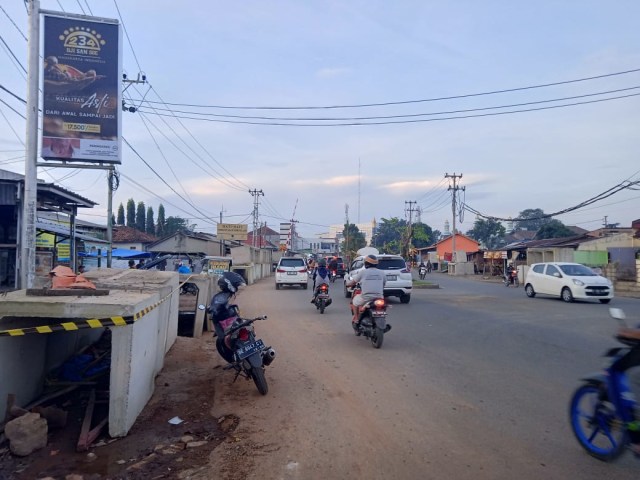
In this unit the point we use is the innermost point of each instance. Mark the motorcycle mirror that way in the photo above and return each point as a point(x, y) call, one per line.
point(617, 313)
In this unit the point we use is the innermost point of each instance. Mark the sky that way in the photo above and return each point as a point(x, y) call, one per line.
point(383, 65)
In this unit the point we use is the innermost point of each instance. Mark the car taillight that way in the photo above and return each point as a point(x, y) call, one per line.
point(379, 303)
point(302, 271)
point(405, 270)
point(280, 270)
point(243, 334)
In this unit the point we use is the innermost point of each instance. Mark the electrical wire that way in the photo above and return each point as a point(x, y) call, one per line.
point(127, 35)
point(13, 109)
point(624, 185)
point(14, 23)
point(11, 127)
point(413, 115)
point(205, 216)
point(13, 55)
point(241, 185)
point(215, 175)
point(404, 102)
point(422, 120)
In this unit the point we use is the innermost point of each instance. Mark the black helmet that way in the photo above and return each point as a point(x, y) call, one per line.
point(370, 261)
point(230, 282)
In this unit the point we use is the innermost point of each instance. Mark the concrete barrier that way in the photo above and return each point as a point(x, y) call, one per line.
point(138, 349)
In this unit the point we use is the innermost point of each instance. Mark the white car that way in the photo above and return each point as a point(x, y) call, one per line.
point(568, 281)
point(291, 271)
point(399, 281)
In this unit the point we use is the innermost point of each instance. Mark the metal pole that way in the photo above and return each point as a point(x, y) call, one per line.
point(30, 198)
point(110, 216)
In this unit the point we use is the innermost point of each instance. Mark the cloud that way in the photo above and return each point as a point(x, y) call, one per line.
point(340, 181)
point(333, 72)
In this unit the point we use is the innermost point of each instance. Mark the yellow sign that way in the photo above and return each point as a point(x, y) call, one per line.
point(46, 240)
point(232, 231)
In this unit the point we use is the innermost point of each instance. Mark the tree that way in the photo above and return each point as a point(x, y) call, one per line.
point(150, 228)
point(160, 224)
point(113, 219)
point(422, 235)
point(488, 232)
point(141, 217)
point(389, 234)
point(174, 224)
point(531, 219)
point(131, 213)
point(120, 215)
point(553, 229)
point(353, 240)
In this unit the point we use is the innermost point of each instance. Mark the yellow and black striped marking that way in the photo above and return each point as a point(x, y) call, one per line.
point(88, 323)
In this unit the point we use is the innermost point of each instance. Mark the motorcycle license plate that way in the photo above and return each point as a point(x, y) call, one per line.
point(323, 296)
point(249, 349)
point(392, 277)
point(378, 314)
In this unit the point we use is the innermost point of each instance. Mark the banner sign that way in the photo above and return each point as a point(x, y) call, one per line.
point(232, 231)
point(81, 91)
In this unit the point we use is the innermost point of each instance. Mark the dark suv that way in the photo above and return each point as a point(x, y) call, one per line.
point(340, 271)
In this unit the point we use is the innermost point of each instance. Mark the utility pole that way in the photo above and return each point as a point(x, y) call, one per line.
point(410, 209)
point(256, 199)
point(605, 221)
point(30, 193)
point(454, 189)
point(346, 241)
point(223, 247)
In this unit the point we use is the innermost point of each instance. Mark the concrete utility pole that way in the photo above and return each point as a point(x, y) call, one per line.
point(346, 241)
point(410, 209)
point(30, 193)
point(454, 189)
point(256, 202)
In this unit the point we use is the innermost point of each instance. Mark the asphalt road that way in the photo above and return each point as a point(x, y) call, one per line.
point(473, 381)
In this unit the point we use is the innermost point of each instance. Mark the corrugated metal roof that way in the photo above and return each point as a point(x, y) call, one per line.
point(64, 231)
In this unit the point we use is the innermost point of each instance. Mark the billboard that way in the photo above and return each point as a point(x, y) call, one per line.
point(232, 231)
point(81, 91)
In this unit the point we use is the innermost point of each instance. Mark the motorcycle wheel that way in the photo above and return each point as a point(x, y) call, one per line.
point(516, 282)
point(377, 338)
point(259, 379)
point(596, 424)
point(321, 307)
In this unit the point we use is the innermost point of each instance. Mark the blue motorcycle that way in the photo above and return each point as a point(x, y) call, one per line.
point(602, 408)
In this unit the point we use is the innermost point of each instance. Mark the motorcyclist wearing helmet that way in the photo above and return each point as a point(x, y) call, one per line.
point(333, 264)
point(372, 282)
point(222, 314)
point(320, 276)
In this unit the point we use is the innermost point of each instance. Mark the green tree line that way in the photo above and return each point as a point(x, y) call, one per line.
point(141, 218)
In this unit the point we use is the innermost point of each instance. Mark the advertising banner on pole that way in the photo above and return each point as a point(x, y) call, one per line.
point(81, 91)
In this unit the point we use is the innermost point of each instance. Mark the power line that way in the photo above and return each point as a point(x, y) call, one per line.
point(404, 102)
point(412, 115)
point(127, 35)
point(14, 23)
point(12, 54)
point(422, 120)
point(601, 196)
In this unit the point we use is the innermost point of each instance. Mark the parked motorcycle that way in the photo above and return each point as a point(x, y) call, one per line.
point(601, 411)
point(372, 320)
point(512, 278)
point(322, 298)
point(246, 354)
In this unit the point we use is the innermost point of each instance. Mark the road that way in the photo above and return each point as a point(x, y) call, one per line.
point(473, 382)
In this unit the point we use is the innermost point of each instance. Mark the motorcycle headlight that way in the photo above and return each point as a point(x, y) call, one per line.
point(578, 282)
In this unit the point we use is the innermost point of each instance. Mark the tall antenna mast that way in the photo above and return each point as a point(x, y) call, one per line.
point(358, 189)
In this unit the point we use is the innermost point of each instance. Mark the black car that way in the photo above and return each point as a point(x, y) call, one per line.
point(341, 270)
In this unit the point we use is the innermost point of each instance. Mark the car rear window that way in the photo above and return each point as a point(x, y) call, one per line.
point(292, 262)
point(391, 264)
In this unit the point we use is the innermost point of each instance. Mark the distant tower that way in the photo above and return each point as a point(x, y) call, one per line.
point(447, 230)
point(509, 225)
